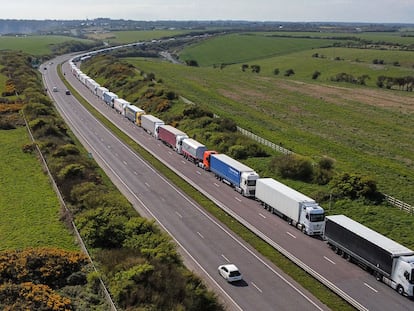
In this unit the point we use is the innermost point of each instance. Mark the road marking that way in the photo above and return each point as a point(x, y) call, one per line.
point(237, 199)
point(109, 146)
point(371, 288)
point(135, 173)
point(147, 184)
point(225, 258)
point(263, 216)
point(183, 162)
point(125, 163)
point(291, 235)
point(116, 154)
point(217, 185)
point(331, 261)
point(197, 172)
point(257, 287)
point(179, 215)
point(201, 236)
point(170, 152)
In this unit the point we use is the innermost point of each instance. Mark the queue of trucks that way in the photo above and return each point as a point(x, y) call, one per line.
point(389, 261)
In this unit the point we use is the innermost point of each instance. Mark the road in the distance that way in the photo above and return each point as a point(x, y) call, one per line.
point(205, 242)
point(357, 283)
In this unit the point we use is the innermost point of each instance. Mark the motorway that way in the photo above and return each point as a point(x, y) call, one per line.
point(204, 242)
point(347, 277)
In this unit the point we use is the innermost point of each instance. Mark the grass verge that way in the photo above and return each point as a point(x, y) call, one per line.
point(29, 207)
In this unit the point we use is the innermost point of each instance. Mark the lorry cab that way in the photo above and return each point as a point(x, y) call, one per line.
point(206, 159)
point(312, 219)
point(179, 143)
point(402, 277)
point(248, 183)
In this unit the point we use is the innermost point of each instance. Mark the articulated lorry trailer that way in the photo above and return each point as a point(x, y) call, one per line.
point(150, 124)
point(120, 105)
point(298, 209)
point(389, 261)
point(171, 136)
point(133, 114)
point(193, 150)
point(234, 173)
point(108, 98)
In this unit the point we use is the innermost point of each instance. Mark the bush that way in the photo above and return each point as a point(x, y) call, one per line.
point(294, 167)
point(355, 186)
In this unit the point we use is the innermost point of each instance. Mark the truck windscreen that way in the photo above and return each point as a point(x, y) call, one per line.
point(317, 217)
point(251, 182)
point(412, 277)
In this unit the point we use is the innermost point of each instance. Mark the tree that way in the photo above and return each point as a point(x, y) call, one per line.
point(244, 67)
point(289, 72)
point(316, 75)
point(276, 71)
point(255, 68)
point(192, 62)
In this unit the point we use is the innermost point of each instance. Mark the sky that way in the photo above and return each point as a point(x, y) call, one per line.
point(371, 11)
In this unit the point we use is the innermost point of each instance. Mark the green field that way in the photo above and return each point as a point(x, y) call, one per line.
point(28, 205)
point(121, 37)
point(365, 129)
point(238, 48)
point(34, 45)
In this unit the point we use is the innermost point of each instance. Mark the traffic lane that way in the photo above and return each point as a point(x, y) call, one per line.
point(169, 155)
point(186, 234)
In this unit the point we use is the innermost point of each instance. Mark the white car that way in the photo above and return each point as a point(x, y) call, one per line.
point(230, 273)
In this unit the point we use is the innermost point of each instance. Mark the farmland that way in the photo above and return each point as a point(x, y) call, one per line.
point(121, 37)
point(365, 129)
point(29, 207)
point(35, 45)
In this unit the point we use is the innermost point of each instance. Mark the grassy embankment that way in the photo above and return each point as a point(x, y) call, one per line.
point(29, 207)
point(362, 137)
point(294, 112)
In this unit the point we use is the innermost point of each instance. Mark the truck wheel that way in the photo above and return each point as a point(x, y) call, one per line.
point(378, 276)
point(348, 257)
point(304, 230)
point(400, 290)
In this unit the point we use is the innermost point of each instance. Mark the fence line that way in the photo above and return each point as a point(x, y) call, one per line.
point(400, 204)
point(62, 202)
point(264, 141)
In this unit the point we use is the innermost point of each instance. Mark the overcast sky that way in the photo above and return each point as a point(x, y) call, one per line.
point(378, 11)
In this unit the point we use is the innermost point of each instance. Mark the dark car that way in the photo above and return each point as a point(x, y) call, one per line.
point(67, 92)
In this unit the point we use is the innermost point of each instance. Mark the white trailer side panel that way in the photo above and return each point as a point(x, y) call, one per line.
point(281, 197)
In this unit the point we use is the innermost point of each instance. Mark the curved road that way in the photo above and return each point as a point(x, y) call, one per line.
point(204, 242)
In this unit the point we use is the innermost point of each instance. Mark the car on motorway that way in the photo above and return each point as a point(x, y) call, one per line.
point(55, 89)
point(230, 272)
point(67, 92)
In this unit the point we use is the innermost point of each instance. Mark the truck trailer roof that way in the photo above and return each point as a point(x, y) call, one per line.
point(233, 163)
point(372, 236)
point(286, 190)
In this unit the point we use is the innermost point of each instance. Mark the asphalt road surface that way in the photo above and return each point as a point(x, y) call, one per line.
point(204, 242)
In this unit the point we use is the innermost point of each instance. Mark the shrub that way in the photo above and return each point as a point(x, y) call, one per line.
point(294, 167)
point(355, 186)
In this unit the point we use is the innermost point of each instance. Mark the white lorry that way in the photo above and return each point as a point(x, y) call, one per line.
point(389, 261)
point(298, 209)
point(150, 124)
